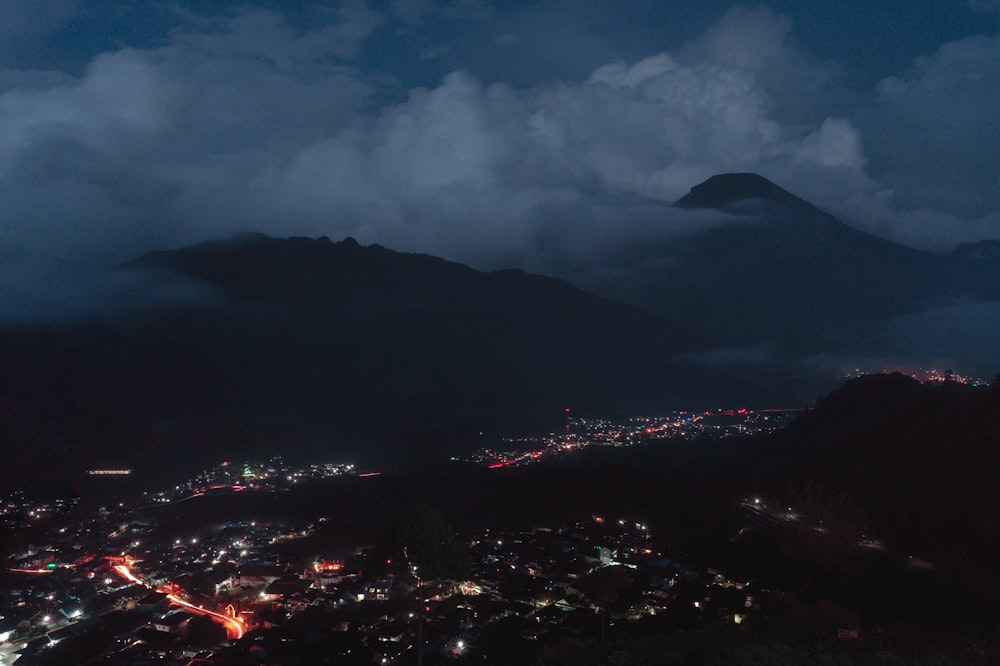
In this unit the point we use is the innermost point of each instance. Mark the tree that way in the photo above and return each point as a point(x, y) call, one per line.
point(603, 587)
point(203, 631)
point(421, 542)
point(836, 512)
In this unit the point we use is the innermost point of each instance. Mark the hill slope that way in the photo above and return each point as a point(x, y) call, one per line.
point(920, 459)
point(764, 267)
point(336, 348)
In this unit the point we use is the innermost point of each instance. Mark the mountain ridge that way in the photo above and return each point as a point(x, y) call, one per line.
point(772, 269)
point(401, 354)
point(303, 335)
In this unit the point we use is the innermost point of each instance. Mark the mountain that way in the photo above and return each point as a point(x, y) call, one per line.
point(408, 328)
point(763, 268)
point(351, 351)
point(340, 349)
point(728, 191)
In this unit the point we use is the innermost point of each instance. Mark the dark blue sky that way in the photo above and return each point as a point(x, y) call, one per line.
point(871, 40)
point(469, 128)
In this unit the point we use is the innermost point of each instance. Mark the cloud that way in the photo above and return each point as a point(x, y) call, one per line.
point(479, 172)
point(945, 100)
point(932, 139)
point(748, 39)
point(475, 172)
point(267, 36)
point(836, 143)
point(960, 336)
point(149, 148)
point(245, 122)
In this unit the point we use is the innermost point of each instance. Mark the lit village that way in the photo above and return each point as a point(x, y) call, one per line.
point(110, 585)
point(102, 590)
point(113, 583)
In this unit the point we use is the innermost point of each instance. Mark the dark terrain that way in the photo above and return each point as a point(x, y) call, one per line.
point(334, 351)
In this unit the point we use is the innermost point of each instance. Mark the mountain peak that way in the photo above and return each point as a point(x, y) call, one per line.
point(725, 190)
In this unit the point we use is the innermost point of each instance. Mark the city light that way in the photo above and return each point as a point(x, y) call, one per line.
point(234, 626)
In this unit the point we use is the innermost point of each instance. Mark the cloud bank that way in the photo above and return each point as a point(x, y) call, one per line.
point(247, 122)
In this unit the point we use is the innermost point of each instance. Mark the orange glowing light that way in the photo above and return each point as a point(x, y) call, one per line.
point(234, 626)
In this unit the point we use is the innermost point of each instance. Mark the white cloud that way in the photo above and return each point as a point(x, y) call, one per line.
point(148, 148)
point(474, 171)
point(945, 134)
point(245, 122)
point(747, 39)
point(836, 143)
point(933, 142)
point(264, 35)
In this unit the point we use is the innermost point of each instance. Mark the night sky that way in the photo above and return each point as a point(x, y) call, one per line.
point(472, 129)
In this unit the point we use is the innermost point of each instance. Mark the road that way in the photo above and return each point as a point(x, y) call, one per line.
point(234, 626)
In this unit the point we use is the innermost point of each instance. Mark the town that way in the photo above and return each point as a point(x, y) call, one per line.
point(104, 593)
point(580, 433)
point(109, 584)
point(273, 562)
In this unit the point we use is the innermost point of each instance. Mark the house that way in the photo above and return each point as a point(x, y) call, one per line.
point(284, 587)
point(258, 575)
point(160, 641)
point(218, 578)
point(377, 590)
point(153, 602)
point(35, 560)
point(8, 627)
point(72, 609)
point(173, 623)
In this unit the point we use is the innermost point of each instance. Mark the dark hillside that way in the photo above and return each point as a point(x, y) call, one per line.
point(769, 268)
point(331, 350)
point(921, 459)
